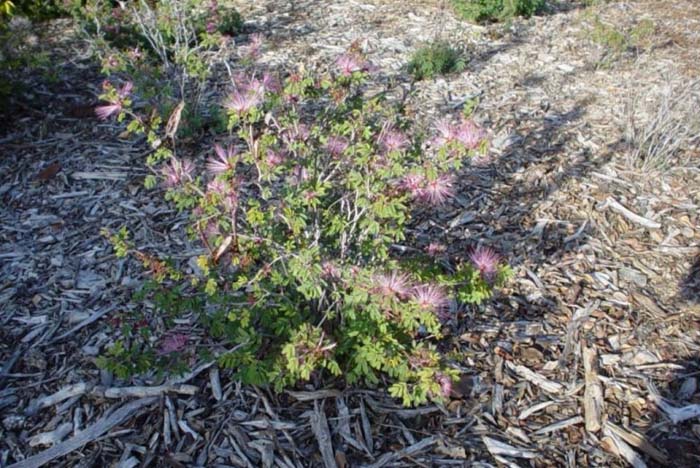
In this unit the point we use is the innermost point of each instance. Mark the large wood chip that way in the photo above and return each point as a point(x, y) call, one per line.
point(593, 394)
point(535, 378)
point(496, 447)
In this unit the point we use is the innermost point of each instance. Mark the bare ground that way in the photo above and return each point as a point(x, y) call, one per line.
point(589, 358)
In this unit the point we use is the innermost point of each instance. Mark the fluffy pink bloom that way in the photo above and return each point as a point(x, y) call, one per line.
point(486, 260)
point(106, 111)
point(431, 297)
point(230, 200)
point(274, 158)
point(125, 89)
point(394, 284)
point(434, 249)
point(438, 191)
point(299, 175)
point(336, 145)
point(173, 343)
point(225, 159)
point(329, 270)
point(270, 83)
point(348, 64)
point(241, 102)
point(413, 183)
point(217, 187)
point(445, 132)
point(177, 171)
point(254, 47)
point(445, 384)
point(391, 139)
point(469, 135)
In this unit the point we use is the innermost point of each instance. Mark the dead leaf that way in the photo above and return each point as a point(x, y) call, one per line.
point(49, 172)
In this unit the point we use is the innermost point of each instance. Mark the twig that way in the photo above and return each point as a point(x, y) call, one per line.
point(635, 218)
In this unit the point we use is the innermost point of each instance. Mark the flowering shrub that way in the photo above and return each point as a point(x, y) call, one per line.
point(169, 48)
point(297, 207)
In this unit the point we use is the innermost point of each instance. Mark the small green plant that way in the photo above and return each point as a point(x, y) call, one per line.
point(436, 58)
point(617, 41)
point(481, 11)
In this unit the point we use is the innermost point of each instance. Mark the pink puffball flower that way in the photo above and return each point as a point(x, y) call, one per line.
point(108, 110)
point(177, 171)
point(173, 343)
point(393, 285)
point(217, 187)
point(348, 64)
point(446, 132)
point(225, 160)
point(254, 47)
point(391, 139)
point(336, 145)
point(438, 191)
point(241, 102)
point(125, 89)
point(434, 249)
point(431, 297)
point(445, 384)
point(486, 260)
point(469, 134)
point(274, 158)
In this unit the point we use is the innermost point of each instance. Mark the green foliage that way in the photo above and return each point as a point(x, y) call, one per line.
point(437, 58)
point(480, 11)
point(617, 41)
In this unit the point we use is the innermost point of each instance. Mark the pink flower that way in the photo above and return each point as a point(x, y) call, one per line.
point(177, 171)
point(436, 192)
point(413, 184)
point(225, 160)
point(336, 145)
point(392, 140)
point(106, 111)
point(330, 271)
point(393, 285)
point(434, 249)
point(230, 200)
point(241, 102)
point(469, 135)
point(173, 343)
point(211, 27)
point(348, 64)
point(218, 187)
point(274, 158)
point(125, 89)
point(446, 132)
point(486, 260)
point(299, 175)
point(270, 83)
point(445, 384)
point(252, 50)
point(431, 297)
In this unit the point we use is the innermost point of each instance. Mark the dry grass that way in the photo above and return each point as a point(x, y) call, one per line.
point(662, 126)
